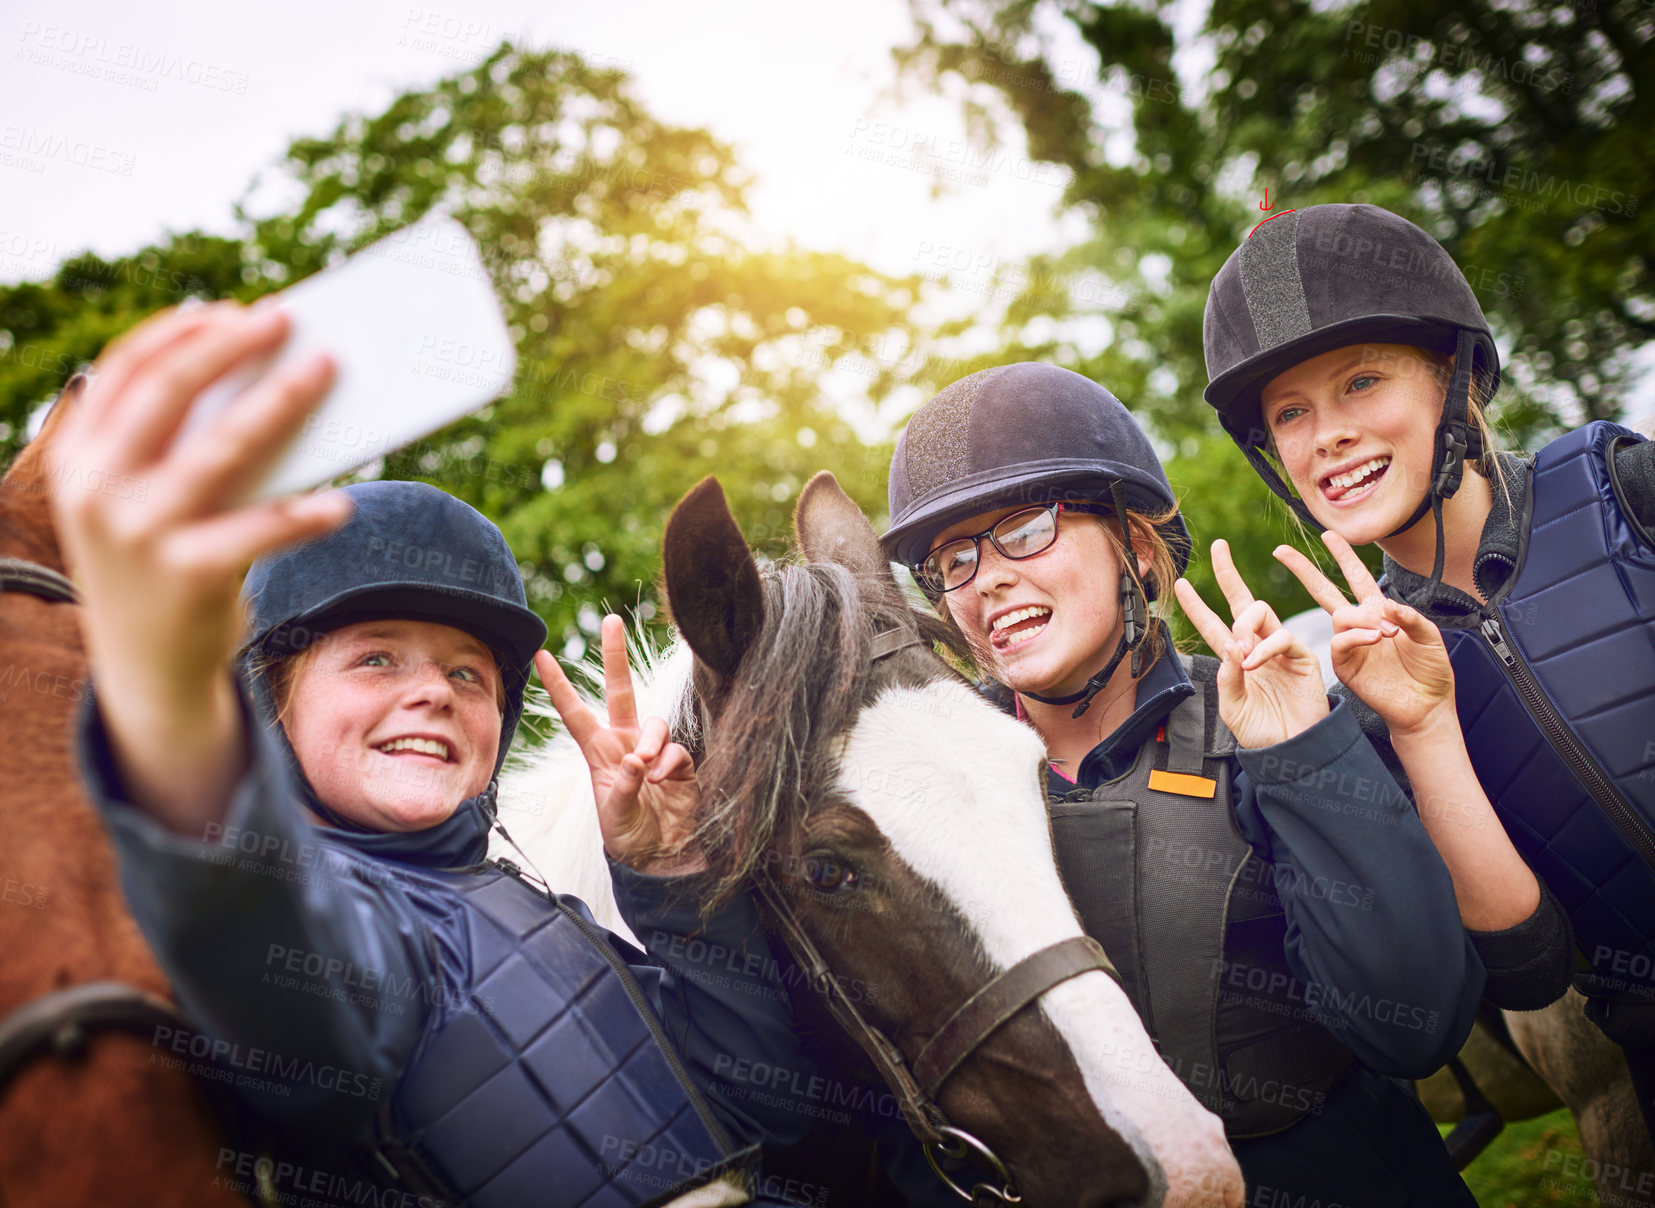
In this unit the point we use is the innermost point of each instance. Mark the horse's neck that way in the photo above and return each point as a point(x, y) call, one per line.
point(26, 529)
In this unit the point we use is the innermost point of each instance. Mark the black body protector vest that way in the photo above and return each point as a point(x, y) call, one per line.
point(1190, 916)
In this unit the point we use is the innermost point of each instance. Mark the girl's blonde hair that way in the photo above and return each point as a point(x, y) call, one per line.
point(1153, 550)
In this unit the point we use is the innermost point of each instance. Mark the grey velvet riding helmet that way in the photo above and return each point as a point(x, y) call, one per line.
point(1030, 433)
point(1324, 277)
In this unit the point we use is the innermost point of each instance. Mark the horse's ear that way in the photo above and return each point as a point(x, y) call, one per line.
point(830, 527)
point(30, 465)
point(712, 581)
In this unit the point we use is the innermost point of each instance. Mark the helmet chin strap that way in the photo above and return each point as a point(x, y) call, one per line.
point(1134, 620)
point(1456, 440)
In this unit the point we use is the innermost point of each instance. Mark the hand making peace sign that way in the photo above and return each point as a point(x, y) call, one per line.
point(1270, 685)
point(645, 785)
point(1387, 653)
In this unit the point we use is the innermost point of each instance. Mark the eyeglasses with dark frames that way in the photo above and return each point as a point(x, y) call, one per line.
point(1023, 534)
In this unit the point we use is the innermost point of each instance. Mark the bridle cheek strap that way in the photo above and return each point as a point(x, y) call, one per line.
point(924, 1117)
point(986, 1011)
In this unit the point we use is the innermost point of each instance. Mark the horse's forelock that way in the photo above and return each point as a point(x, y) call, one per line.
point(802, 682)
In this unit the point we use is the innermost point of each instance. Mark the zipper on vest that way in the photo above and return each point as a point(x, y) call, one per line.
point(1579, 760)
point(641, 1004)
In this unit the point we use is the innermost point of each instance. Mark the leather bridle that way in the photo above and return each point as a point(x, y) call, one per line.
point(36, 580)
point(59, 1022)
point(917, 1085)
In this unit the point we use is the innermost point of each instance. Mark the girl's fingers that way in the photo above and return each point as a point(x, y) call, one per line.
point(576, 716)
point(674, 761)
point(617, 675)
point(1415, 624)
point(132, 350)
point(1283, 641)
point(1348, 641)
point(1257, 620)
point(229, 543)
point(215, 464)
point(143, 422)
point(1361, 582)
point(651, 738)
point(1213, 631)
point(1229, 579)
point(1370, 615)
point(1320, 587)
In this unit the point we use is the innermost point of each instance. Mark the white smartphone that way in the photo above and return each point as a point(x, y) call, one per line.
point(416, 332)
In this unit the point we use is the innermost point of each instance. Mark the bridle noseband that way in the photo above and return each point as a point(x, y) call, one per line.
point(916, 1087)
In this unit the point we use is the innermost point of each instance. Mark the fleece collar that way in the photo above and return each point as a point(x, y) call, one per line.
point(1161, 689)
point(1498, 552)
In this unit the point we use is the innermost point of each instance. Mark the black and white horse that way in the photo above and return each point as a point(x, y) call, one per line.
point(899, 818)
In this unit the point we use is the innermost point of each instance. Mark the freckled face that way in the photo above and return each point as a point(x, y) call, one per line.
point(1047, 622)
point(395, 722)
point(1354, 430)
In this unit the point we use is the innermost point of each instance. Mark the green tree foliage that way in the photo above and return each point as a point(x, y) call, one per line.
point(1517, 132)
point(654, 345)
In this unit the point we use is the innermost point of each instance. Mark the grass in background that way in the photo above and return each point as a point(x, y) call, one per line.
point(1534, 1162)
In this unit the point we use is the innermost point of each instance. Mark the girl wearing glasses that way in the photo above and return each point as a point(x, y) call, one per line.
point(1282, 919)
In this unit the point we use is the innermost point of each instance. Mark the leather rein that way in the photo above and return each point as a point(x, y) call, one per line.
point(917, 1085)
point(60, 1021)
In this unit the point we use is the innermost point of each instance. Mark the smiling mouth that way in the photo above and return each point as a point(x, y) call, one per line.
point(417, 746)
point(1018, 626)
point(1356, 481)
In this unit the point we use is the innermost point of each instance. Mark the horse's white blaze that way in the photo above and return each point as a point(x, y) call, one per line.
point(954, 785)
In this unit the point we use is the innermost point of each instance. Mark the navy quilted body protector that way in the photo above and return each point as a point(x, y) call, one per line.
point(1555, 687)
point(541, 1075)
point(544, 1078)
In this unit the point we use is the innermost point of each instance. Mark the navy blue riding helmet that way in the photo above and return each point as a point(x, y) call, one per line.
point(409, 550)
point(1031, 433)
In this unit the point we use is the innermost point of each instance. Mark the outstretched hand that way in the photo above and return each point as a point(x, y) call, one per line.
point(1391, 656)
point(160, 558)
point(645, 785)
point(150, 521)
point(1269, 684)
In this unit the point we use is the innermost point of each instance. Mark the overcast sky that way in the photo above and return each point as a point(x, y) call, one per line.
point(120, 121)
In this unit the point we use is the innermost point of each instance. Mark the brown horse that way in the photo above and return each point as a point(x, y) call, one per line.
point(99, 1111)
point(1558, 1058)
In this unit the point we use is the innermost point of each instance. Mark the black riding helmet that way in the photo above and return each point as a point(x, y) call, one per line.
point(1324, 277)
point(409, 550)
point(1030, 433)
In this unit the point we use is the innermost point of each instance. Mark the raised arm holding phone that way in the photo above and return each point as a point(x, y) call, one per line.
point(301, 812)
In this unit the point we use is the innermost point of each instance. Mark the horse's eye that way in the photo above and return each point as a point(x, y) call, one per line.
point(827, 873)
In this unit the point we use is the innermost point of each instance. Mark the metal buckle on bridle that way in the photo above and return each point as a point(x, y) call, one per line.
point(959, 1145)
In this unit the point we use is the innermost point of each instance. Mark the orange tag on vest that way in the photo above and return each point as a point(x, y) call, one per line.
point(1183, 785)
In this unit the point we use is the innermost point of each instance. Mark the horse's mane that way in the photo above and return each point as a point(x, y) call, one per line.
point(802, 681)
